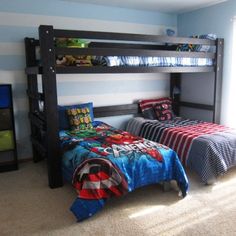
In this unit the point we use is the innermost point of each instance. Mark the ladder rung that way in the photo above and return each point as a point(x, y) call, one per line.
point(37, 121)
point(40, 148)
point(37, 96)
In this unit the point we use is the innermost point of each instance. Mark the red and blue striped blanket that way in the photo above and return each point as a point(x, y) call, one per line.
point(208, 149)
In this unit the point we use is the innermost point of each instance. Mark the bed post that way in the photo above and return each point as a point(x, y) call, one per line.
point(175, 86)
point(218, 80)
point(46, 40)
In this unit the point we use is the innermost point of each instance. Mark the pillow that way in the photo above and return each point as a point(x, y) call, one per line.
point(163, 110)
point(146, 107)
point(63, 118)
point(79, 118)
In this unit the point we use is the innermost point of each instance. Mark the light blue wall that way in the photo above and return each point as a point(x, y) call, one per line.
point(19, 19)
point(73, 9)
point(215, 19)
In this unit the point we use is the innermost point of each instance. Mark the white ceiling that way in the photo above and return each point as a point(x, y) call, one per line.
point(167, 6)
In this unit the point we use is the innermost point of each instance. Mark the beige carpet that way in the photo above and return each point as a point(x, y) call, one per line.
point(29, 207)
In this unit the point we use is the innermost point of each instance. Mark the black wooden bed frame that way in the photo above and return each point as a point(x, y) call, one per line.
point(114, 44)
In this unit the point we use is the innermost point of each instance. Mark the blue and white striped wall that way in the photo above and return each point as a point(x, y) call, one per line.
point(19, 19)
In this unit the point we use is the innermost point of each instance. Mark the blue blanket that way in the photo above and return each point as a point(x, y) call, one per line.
point(105, 162)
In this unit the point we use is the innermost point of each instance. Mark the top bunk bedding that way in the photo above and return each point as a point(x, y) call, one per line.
point(75, 51)
point(151, 61)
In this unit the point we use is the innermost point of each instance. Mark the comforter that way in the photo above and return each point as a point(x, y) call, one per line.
point(105, 162)
point(208, 149)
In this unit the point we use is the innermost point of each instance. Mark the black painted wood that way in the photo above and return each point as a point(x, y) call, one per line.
point(33, 70)
point(37, 121)
point(197, 105)
point(116, 69)
point(131, 52)
point(120, 70)
point(32, 81)
point(47, 50)
point(128, 37)
point(117, 110)
point(36, 96)
point(131, 46)
point(175, 85)
point(40, 148)
point(218, 80)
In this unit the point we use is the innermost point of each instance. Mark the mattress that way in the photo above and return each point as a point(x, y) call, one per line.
point(151, 61)
point(129, 61)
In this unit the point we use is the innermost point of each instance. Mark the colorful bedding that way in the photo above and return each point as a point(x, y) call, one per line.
point(105, 162)
point(151, 61)
point(109, 61)
point(208, 149)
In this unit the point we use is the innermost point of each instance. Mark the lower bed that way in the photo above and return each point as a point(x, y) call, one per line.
point(105, 162)
point(206, 148)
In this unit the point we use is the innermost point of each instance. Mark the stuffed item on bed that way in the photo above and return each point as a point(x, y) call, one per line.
point(79, 118)
point(106, 162)
point(71, 43)
point(163, 110)
point(69, 60)
point(196, 47)
point(157, 108)
point(64, 123)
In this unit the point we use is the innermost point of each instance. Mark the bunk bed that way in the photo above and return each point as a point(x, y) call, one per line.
point(45, 123)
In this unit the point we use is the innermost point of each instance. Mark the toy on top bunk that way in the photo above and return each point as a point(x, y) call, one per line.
point(71, 43)
point(69, 60)
point(198, 47)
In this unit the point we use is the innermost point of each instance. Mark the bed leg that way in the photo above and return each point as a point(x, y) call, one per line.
point(210, 181)
point(166, 186)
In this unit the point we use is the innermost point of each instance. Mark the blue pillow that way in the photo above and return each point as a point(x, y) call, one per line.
point(63, 118)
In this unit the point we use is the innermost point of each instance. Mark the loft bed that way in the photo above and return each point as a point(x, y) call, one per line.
point(45, 123)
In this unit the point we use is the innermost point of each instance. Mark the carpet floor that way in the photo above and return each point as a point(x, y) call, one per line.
point(29, 207)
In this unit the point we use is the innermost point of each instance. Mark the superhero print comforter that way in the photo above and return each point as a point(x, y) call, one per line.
point(206, 148)
point(105, 162)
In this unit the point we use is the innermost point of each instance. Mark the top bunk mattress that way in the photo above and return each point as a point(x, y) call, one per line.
point(151, 61)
